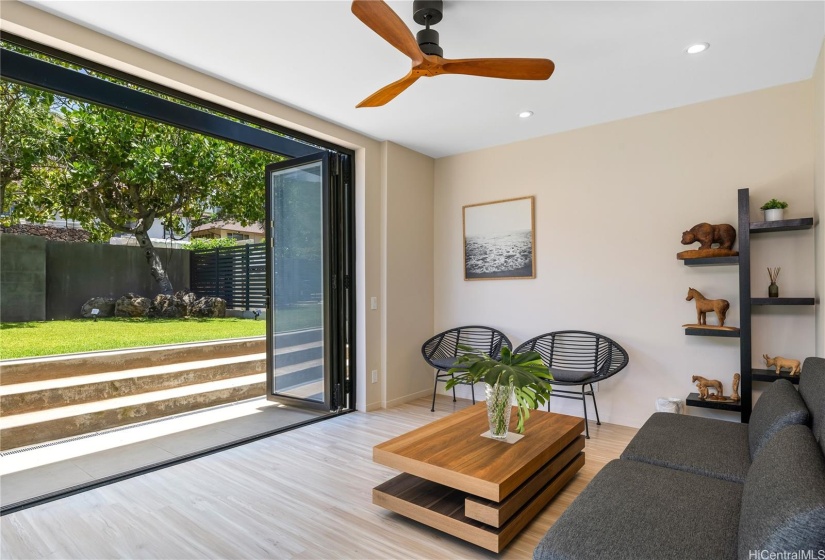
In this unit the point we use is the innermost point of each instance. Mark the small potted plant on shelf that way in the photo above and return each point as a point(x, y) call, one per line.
point(774, 209)
point(523, 375)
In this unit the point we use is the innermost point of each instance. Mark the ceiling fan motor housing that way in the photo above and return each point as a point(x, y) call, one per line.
point(428, 12)
point(428, 41)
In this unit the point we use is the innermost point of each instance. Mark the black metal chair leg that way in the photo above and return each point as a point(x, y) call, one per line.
point(593, 394)
point(435, 388)
point(453, 376)
point(586, 427)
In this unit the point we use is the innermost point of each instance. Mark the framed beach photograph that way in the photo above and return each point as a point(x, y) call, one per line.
point(499, 240)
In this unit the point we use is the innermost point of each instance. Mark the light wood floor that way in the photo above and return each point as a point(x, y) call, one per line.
point(302, 494)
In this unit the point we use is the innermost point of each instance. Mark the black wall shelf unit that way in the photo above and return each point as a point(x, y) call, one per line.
point(694, 400)
point(697, 331)
point(782, 301)
point(770, 376)
point(746, 306)
point(782, 225)
point(711, 261)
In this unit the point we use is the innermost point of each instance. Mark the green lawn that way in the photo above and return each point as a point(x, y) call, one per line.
point(23, 340)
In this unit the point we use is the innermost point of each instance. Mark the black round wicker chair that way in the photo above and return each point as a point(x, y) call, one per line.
point(577, 358)
point(441, 350)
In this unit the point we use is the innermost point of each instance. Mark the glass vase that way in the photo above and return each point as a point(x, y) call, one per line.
point(773, 290)
point(498, 409)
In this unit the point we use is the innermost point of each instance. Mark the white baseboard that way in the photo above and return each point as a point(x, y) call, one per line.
point(408, 398)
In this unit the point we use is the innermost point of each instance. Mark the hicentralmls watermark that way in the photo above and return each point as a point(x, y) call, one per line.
point(786, 555)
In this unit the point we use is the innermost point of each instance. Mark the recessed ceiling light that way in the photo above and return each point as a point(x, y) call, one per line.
point(697, 48)
point(525, 114)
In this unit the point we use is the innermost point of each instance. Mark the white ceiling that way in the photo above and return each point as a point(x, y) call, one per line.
point(613, 59)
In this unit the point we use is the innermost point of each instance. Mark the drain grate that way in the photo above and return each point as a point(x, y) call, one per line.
point(118, 429)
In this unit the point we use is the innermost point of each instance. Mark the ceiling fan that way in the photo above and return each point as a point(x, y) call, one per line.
point(427, 56)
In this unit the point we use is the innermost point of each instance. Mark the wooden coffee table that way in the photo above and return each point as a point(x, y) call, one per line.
point(475, 488)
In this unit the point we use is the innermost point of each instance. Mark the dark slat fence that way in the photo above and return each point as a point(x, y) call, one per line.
point(236, 274)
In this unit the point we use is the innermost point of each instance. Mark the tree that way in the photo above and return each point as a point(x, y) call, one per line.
point(28, 130)
point(120, 172)
point(114, 172)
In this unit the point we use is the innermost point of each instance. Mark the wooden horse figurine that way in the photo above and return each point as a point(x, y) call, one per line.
point(704, 384)
point(703, 305)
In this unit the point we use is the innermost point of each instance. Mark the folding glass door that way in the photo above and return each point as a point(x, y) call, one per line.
point(307, 283)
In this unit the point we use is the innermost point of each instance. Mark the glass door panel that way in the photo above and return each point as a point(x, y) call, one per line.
point(298, 357)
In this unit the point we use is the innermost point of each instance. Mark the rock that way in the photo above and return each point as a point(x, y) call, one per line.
point(209, 307)
point(132, 305)
point(188, 299)
point(53, 233)
point(168, 307)
point(104, 305)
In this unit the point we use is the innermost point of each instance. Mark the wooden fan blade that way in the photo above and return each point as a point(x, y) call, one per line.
point(388, 93)
point(507, 68)
point(379, 17)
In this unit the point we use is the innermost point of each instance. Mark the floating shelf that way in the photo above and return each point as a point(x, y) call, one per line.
point(693, 400)
point(696, 331)
point(711, 261)
point(782, 225)
point(782, 301)
point(770, 376)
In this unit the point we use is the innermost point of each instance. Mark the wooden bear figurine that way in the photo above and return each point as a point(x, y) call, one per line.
point(707, 234)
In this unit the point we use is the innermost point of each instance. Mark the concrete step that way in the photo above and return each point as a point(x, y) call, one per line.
point(294, 365)
point(21, 430)
point(71, 365)
point(22, 398)
point(46, 409)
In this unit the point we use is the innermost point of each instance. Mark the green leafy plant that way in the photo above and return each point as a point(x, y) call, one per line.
point(526, 372)
point(198, 243)
point(774, 204)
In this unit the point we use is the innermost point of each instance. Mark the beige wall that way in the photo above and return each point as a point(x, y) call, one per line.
point(407, 311)
point(819, 196)
point(611, 203)
point(31, 23)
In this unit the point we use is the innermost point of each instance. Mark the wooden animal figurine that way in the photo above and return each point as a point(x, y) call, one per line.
point(704, 384)
point(703, 305)
point(734, 396)
point(707, 234)
point(782, 363)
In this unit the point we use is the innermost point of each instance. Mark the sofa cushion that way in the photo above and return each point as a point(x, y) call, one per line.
point(633, 510)
point(779, 406)
point(812, 391)
point(689, 443)
point(783, 501)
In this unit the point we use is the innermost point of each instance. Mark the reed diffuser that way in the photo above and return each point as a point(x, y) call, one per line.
point(773, 289)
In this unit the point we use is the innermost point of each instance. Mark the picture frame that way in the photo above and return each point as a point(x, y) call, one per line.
point(500, 240)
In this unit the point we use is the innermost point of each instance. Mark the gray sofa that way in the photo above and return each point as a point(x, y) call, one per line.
point(690, 487)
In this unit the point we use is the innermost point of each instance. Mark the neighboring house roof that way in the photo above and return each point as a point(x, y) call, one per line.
point(232, 226)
